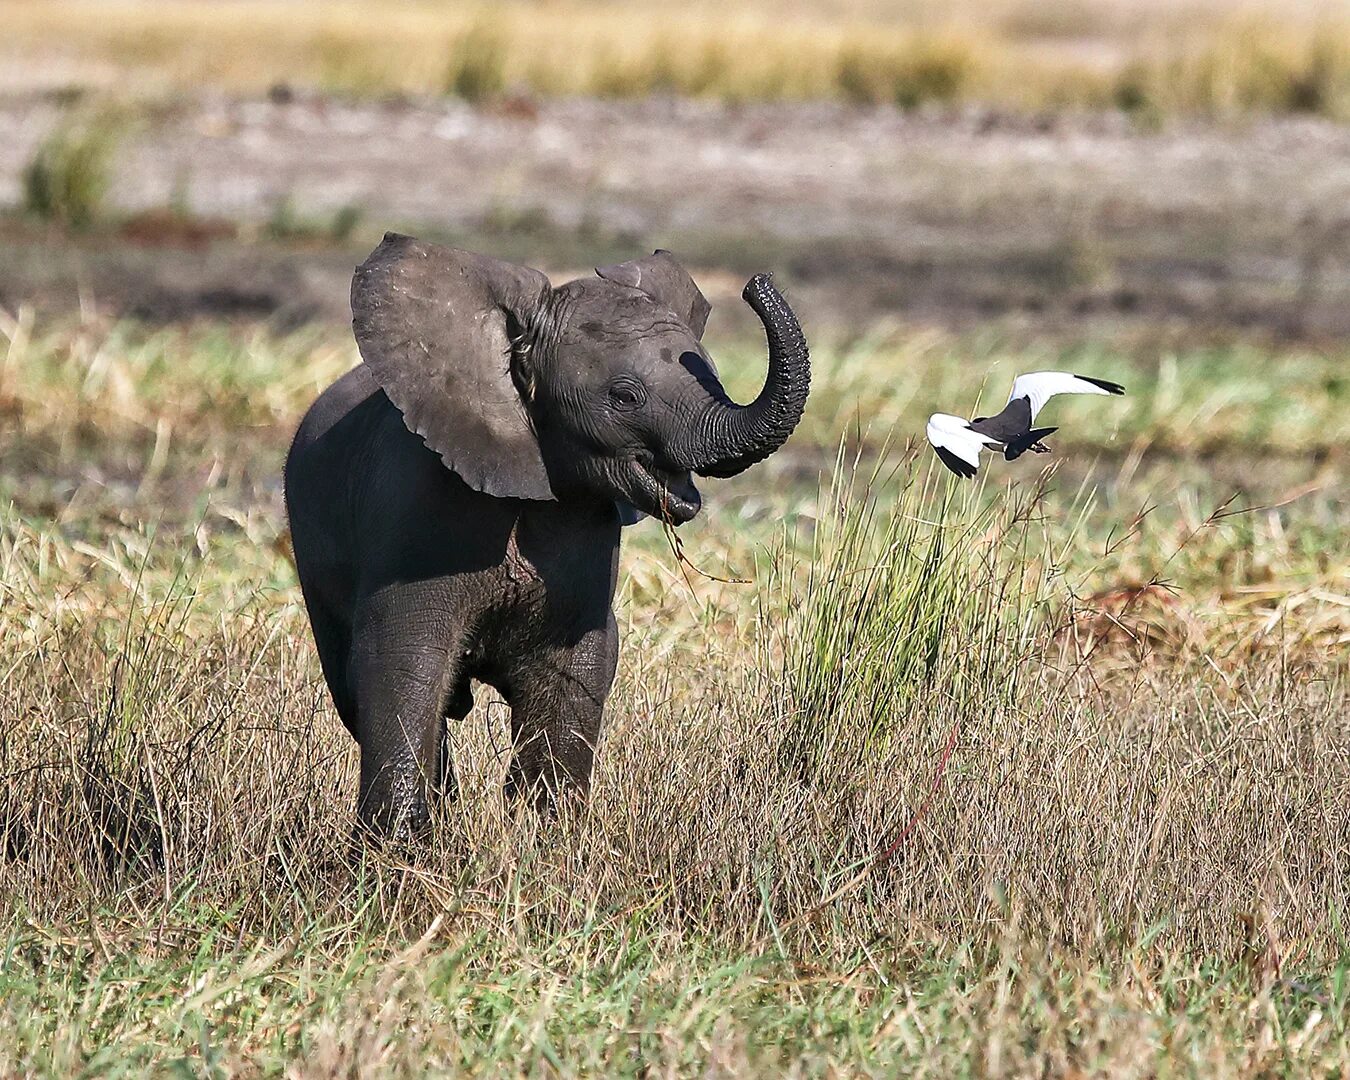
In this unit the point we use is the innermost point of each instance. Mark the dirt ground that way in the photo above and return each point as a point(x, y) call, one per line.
point(951, 217)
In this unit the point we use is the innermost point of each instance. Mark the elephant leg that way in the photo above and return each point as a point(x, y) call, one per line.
point(557, 704)
point(400, 666)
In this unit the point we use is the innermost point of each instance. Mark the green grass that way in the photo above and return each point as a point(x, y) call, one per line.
point(1133, 863)
point(223, 390)
point(614, 999)
point(67, 180)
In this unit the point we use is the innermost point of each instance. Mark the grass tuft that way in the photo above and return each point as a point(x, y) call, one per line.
point(937, 69)
point(476, 68)
point(67, 180)
point(1251, 65)
point(891, 586)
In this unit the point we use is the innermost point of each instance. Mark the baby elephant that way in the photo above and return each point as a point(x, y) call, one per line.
point(455, 500)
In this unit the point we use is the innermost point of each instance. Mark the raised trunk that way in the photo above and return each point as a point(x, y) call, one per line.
point(730, 437)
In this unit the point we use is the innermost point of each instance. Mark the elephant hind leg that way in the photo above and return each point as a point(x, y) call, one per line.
point(557, 707)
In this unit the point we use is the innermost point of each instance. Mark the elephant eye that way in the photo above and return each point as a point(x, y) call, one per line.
point(626, 395)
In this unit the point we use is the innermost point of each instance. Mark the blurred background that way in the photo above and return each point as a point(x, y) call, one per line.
point(1164, 166)
point(1155, 191)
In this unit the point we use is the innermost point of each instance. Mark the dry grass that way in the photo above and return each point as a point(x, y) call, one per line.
point(1135, 863)
point(1147, 56)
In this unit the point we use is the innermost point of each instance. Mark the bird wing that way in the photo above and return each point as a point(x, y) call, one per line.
point(956, 444)
point(1038, 387)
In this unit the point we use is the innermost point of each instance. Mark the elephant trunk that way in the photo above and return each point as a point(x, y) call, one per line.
point(733, 437)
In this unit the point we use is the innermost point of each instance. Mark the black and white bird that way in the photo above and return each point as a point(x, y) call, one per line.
point(958, 442)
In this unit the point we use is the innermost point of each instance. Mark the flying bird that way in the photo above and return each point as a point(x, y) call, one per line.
point(958, 442)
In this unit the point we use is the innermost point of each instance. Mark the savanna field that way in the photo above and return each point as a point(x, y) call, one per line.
point(1100, 707)
point(1046, 774)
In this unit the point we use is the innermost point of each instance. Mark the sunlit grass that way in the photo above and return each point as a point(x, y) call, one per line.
point(125, 386)
point(1151, 58)
point(619, 999)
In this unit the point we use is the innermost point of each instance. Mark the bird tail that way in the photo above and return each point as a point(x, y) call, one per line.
point(1020, 446)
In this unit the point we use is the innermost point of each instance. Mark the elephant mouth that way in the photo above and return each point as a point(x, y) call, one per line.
point(666, 494)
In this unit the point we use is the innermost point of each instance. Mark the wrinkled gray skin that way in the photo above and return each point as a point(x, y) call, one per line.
point(455, 501)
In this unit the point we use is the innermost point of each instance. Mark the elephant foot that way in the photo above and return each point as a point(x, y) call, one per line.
point(546, 792)
point(392, 823)
point(393, 805)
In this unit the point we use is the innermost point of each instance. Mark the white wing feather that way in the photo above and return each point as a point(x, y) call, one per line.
point(1038, 387)
point(953, 434)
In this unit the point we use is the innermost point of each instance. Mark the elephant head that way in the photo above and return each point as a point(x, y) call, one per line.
point(599, 388)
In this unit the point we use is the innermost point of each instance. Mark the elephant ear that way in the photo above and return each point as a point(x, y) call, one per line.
point(662, 278)
point(435, 324)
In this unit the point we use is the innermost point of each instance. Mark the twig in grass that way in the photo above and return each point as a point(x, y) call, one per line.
point(1114, 544)
point(682, 560)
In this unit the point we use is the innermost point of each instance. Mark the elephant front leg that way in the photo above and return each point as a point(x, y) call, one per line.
point(557, 706)
point(400, 669)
